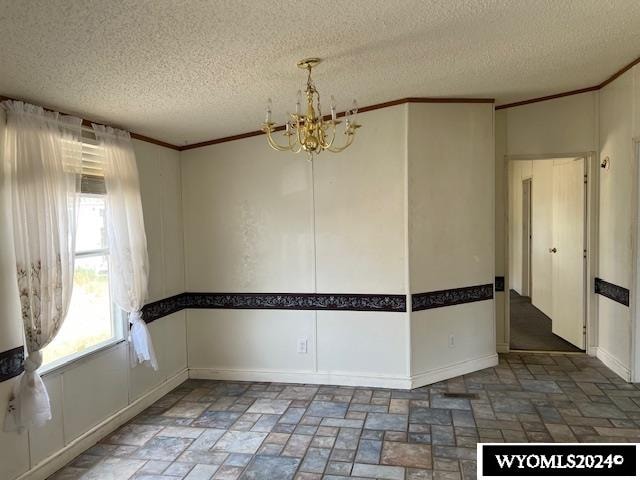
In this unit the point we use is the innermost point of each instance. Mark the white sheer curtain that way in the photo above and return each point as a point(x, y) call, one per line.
point(129, 261)
point(43, 157)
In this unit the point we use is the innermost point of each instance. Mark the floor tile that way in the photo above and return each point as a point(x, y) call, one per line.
point(228, 472)
point(206, 430)
point(269, 406)
point(68, 473)
point(297, 445)
point(435, 416)
point(315, 460)
point(179, 469)
point(207, 439)
point(113, 469)
point(216, 419)
point(133, 434)
point(154, 466)
point(298, 393)
point(386, 421)
point(369, 451)
point(377, 471)
point(240, 442)
point(339, 468)
point(328, 409)
point(406, 455)
point(162, 448)
point(182, 432)
point(202, 472)
point(269, 468)
point(186, 410)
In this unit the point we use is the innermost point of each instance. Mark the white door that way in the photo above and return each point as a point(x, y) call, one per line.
point(568, 260)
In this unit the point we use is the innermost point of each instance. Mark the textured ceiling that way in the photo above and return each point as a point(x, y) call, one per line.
point(187, 71)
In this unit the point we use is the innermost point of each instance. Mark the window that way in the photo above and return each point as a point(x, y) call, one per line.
point(92, 320)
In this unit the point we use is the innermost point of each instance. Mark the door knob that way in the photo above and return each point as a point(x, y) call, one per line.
point(553, 250)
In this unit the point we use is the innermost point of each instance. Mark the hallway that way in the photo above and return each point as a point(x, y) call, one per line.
point(531, 329)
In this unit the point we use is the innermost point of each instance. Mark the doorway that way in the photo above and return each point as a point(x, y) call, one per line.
point(547, 235)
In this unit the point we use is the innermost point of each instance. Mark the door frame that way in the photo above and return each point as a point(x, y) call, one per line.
point(592, 169)
point(634, 303)
point(527, 275)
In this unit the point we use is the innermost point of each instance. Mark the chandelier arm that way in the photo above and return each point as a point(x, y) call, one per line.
point(319, 133)
point(333, 135)
point(324, 144)
point(273, 144)
point(298, 130)
point(350, 138)
point(289, 135)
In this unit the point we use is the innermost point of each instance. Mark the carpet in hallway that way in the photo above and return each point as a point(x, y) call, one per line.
point(531, 329)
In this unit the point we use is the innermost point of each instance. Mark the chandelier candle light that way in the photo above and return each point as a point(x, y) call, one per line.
point(311, 132)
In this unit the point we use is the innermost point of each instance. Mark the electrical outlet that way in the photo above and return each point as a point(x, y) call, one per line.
point(452, 341)
point(302, 345)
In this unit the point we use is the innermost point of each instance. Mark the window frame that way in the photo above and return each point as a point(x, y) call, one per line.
point(92, 185)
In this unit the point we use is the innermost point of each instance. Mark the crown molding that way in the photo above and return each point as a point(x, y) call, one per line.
point(548, 97)
point(368, 108)
point(594, 88)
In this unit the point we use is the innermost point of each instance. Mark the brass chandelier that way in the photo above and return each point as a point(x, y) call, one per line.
point(311, 132)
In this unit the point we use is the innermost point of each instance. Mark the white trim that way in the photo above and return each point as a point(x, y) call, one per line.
point(59, 459)
point(302, 376)
point(454, 370)
point(545, 156)
point(592, 169)
point(547, 352)
point(502, 348)
point(407, 247)
point(634, 300)
point(613, 364)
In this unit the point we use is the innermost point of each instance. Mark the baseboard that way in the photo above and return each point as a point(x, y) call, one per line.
point(502, 347)
point(592, 351)
point(454, 370)
point(59, 459)
point(613, 364)
point(305, 377)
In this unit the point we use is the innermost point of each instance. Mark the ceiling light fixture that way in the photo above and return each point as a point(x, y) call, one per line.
point(310, 131)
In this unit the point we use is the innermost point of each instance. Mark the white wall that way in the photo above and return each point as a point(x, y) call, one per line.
point(500, 133)
point(451, 234)
point(560, 126)
point(257, 220)
point(87, 392)
point(361, 246)
point(262, 221)
point(617, 103)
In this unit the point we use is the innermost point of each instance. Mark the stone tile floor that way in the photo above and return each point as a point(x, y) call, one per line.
point(252, 431)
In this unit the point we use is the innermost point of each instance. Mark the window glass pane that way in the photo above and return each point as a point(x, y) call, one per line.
point(88, 321)
point(91, 232)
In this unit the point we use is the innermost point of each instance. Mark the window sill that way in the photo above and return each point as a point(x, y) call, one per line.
point(66, 363)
